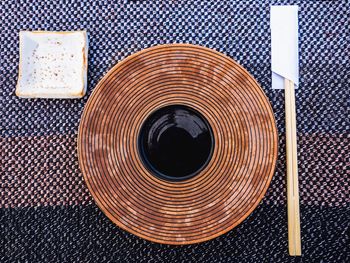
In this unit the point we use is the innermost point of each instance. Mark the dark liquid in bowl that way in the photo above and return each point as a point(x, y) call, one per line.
point(175, 142)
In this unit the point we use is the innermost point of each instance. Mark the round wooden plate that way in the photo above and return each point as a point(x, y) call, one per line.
point(243, 158)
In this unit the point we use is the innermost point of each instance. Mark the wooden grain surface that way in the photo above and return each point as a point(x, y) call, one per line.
point(219, 197)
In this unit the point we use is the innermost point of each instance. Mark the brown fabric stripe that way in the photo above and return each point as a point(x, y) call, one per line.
point(44, 171)
point(41, 171)
point(323, 170)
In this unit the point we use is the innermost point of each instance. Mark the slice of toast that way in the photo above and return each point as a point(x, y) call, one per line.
point(52, 64)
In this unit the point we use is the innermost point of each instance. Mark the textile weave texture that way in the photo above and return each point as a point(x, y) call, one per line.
point(46, 211)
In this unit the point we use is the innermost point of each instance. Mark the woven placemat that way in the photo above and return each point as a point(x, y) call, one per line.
point(46, 212)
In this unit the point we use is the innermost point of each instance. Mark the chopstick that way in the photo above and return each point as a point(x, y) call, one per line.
point(294, 240)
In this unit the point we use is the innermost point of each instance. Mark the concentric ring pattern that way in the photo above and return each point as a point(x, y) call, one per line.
point(220, 196)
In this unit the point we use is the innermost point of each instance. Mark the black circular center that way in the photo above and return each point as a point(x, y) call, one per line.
point(175, 142)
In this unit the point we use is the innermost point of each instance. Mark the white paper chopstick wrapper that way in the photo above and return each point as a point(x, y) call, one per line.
point(284, 45)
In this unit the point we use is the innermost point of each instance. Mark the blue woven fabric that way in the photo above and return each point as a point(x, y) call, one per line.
point(239, 29)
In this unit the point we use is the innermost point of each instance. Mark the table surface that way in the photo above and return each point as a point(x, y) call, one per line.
point(46, 211)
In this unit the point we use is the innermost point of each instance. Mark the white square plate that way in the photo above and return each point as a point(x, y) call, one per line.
point(52, 64)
